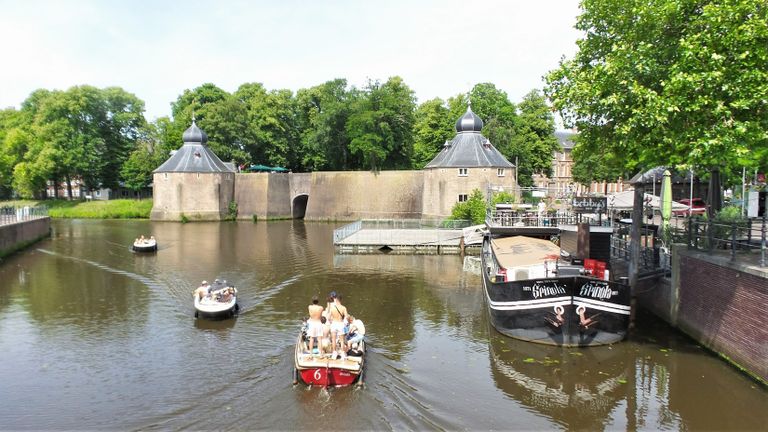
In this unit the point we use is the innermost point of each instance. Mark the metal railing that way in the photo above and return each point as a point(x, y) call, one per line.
point(15, 214)
point(340, 234)
point(651, 258)
point(748, 236)
point(507, 218)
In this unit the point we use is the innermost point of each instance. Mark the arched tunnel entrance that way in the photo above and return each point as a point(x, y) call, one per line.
point(299, 206)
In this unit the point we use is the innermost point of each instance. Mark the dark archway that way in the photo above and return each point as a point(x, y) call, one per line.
point(299, 207)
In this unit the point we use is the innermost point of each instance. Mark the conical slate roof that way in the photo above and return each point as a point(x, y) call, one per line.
point(469, 148)
point(194, 155)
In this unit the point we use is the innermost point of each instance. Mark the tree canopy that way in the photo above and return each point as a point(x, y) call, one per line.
point(100, 137)
point(681, 83)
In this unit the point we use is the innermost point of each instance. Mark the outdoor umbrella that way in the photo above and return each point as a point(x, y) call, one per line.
point(666, 202)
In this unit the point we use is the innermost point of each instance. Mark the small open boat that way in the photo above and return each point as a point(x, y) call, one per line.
point(321, 370)
point(145, 245)
point(219, 303)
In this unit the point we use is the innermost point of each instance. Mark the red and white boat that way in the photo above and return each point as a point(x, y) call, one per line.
point(321, 370)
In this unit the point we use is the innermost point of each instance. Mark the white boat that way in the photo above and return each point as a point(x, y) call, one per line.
point(145, 245)
point(219, 303)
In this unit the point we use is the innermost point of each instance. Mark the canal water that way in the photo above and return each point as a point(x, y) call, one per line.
point(94, 336)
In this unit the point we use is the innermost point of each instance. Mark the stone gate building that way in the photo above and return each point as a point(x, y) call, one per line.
point(196, 184)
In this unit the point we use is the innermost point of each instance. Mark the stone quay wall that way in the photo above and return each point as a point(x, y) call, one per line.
point(18, 235)
point(330, 195)
point(194, 196)
point(721, 304)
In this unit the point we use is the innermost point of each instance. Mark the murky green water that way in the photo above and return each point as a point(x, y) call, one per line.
point(93, 336)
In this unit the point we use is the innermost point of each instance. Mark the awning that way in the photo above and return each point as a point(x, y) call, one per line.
point(624, 201)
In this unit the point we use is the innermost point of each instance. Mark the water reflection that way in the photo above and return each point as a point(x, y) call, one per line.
point(577, 388)
point(98, 337)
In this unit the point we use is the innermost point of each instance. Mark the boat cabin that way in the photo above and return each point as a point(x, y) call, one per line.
point(519, 258)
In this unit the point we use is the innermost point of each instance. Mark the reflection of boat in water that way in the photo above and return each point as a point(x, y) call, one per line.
point(533, 295)
point(145, 245)
point(578, 388)
point(322, 370)
point(220, 302)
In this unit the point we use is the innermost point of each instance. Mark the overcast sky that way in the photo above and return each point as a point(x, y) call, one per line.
point(156, 49)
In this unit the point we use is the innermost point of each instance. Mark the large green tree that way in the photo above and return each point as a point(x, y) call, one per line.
point(322, 113)
point(670, 82)
point(431, 128)
point(534, 140)
point(380, 126)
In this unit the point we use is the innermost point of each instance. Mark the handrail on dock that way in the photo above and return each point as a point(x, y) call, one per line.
point(340, 234)
point(14, 214)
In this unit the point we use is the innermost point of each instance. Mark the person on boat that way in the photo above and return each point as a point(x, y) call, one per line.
point(338, 313)
point(356, 331)
point(151, 238)
point(227, 294)
point(142, 239)
point(325, 343)
point(203, 290)
point(314, 324)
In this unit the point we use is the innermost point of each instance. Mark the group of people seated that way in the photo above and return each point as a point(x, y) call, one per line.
point(142, 240)
point(218, 291)
point(336, 332)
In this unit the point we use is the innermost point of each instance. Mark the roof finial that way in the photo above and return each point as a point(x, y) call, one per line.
point(193, 116)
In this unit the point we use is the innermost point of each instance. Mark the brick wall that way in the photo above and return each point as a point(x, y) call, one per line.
point(726, 309)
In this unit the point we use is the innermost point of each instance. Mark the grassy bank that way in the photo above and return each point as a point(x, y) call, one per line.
point(112, 209)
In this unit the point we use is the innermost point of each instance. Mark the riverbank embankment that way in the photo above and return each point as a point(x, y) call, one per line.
point(16, 235)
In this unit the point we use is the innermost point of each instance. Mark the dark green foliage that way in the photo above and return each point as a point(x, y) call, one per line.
point(473, 209)
point(671, 82)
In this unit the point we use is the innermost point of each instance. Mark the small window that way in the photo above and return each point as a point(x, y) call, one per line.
point(463, 197)
point(165, 176)
point(462, 172)
point(500, 172)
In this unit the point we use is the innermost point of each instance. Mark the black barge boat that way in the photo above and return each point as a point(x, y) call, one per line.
point(534, 294)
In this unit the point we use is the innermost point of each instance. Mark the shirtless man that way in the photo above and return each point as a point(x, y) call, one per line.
point(202, 290)
point(338, 314)
point(314, 325)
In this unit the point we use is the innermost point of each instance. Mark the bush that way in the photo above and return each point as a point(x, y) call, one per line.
point(473, 209)
point(502, 198)
point(232, 211)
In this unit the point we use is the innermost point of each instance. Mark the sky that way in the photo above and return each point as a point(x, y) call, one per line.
point(157, 49)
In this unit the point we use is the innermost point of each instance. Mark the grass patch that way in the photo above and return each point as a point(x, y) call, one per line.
point(111, 209)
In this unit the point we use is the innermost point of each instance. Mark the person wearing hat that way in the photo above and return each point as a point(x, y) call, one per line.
point(202, 291)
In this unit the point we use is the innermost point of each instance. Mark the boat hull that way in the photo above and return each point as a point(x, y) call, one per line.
point(563, 311)
point(321, 376)
point(216, 311)
point(322, 371)
point(152, 247)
